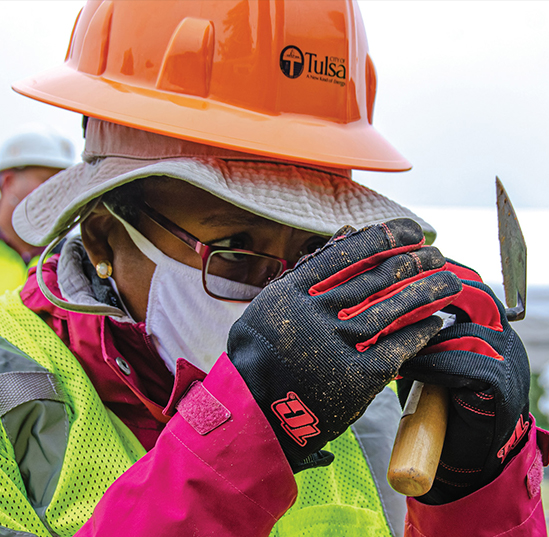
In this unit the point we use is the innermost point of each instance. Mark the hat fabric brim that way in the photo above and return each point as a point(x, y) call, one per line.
point(313, 199)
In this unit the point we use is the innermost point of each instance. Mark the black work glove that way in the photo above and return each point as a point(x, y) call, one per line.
point(484, 364)
point(307, 346)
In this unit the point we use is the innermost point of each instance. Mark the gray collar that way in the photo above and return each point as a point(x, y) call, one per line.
point(79, 283)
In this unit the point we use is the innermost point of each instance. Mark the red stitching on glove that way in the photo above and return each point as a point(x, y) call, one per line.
point(467, 406)
point(417, 260)
point(460, 470)
point(463, 485)
point(390, 234)
point(484, 396)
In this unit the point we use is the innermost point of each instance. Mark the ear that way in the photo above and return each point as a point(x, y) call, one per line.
point(96, 231)
point(6, 181)
point(105, 239)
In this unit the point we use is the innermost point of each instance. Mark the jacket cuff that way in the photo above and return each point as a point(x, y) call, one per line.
point(216, 469)
point(230, 434)
point(510, 505)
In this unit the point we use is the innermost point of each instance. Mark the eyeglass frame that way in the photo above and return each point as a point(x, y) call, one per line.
point(205, 251)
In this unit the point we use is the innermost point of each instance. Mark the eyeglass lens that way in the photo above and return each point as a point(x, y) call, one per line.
point(239, 275)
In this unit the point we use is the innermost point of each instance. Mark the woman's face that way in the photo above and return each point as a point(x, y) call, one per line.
point(210, 219)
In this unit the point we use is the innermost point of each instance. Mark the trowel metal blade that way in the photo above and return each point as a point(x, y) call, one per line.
point(513, 255)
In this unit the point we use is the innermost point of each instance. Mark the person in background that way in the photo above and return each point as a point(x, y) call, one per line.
point(28, 158)
point(212, 355)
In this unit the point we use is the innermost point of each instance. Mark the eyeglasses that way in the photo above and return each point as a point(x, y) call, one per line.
point(227, 273)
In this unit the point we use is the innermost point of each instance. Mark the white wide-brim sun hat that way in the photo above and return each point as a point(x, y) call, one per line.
point(312, 198)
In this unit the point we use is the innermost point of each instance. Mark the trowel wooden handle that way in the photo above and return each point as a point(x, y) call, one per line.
point(419, 440)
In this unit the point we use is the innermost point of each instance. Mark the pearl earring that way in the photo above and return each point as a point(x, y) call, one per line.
point(104, 269)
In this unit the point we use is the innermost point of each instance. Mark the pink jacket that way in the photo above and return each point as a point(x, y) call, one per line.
point(216, 467)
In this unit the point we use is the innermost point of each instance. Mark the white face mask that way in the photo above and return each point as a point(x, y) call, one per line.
point(182, 319)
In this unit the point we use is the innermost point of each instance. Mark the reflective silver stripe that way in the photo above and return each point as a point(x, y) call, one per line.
point(18, 387)
point(6, 532)
point(375, 432)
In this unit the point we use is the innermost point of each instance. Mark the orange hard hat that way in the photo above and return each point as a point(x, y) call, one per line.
point(288, 79)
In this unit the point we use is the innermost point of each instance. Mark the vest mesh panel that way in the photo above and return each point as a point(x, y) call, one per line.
point(340, 500)
point(99, 447)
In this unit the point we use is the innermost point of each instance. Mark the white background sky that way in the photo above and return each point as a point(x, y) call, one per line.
point(463, 93)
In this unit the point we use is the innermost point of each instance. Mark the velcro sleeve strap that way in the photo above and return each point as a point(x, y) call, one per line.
point(18, 387)
point(202, 411)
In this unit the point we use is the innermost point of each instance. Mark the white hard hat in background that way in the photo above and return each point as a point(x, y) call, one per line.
point(36, 144)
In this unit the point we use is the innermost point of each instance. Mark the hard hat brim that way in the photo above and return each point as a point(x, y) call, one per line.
point(42, 161)
point(355, 145)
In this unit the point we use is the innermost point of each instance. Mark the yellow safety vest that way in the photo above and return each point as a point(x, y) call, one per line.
point(94, 448)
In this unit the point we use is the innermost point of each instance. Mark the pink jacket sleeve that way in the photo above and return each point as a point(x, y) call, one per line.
point(217, 469)
point(510, 506)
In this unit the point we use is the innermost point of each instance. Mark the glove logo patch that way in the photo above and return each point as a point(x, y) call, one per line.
point(520, 430)
point(296, 419)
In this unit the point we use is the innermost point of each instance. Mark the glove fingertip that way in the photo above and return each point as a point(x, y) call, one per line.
point(430, 326)
point(404, 231)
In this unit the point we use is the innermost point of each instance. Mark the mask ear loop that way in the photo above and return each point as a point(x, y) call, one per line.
point(62, 304)
point(146, 247)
